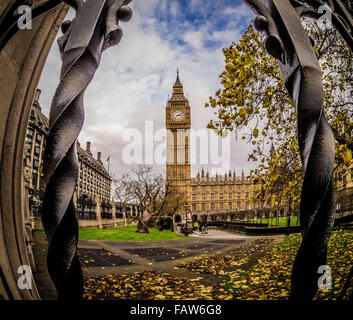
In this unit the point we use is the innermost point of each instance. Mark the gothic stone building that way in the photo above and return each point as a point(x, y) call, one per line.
point(94, 182)
point(36, 136)
point(205, 195)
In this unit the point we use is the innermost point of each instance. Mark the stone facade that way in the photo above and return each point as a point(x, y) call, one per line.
point(94, 183)
point(205, 195)
point(36, 136)
point(344, 190)
point(92, 196)
point(21, 64)
point(93, 186)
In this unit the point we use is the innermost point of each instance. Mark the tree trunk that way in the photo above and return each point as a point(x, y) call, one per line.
point(142, 223)
point(142, 227)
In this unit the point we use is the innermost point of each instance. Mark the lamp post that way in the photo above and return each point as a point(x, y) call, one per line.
point(84, 204)
point(187, 211)
point(187, 222)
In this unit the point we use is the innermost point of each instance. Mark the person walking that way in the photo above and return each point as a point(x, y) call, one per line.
point(196, 226)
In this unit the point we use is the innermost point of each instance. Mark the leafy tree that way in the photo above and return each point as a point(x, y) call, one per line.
point(254, 103)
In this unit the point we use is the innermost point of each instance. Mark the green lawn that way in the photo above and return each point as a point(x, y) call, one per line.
point(129, 234)
point(282, 222)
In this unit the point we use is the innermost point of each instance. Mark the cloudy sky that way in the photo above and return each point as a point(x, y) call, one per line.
point(135, 78)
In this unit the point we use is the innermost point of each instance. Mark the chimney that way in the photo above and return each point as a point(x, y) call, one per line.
point(99, 156)
point(88, 147)
point(37, 95)
point(36, 98)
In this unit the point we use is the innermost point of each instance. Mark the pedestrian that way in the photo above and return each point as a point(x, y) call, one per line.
point(196, 226)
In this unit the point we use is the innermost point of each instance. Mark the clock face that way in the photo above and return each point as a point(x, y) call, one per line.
point(178, 115)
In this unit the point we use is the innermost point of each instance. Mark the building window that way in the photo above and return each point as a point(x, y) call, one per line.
point(194, 197)
point(221, 196)
point(229, 196)
point(203, 188)
point(203, 197)
point(238, 204)
point(212, 196)
point(246, 195)
point(212, 206)
point(193, 188)
point(221, 205)
point(238, 194)
point(229, 205)
point(203, 206)
point(34, 180)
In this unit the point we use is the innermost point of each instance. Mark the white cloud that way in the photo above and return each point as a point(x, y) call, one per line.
point(239, 11)
point(174, 8)
point(135, 78)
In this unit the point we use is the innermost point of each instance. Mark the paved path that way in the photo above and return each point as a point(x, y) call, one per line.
point(100, 258)
point(122, 257)
point(217, 234)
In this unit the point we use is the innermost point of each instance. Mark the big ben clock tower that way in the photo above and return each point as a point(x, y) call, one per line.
point(178, 125)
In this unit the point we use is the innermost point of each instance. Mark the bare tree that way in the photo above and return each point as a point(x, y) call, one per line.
point(149, 193)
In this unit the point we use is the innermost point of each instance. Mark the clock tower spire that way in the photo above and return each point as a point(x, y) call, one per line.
point(178, 123)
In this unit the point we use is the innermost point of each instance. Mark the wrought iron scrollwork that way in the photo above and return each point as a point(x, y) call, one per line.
point(290, 45)
point(94, 29)
point(9, 18)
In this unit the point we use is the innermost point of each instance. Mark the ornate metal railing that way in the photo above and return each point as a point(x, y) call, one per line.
point(9, 18)
point(288, 42)
point(94, 29)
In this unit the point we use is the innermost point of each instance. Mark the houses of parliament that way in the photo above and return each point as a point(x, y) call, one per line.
point(204, 194)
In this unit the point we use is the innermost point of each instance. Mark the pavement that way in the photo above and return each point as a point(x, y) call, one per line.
point(100, 258)
point(217, 234)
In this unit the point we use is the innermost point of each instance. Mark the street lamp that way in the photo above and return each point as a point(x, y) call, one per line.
point(187, 211)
